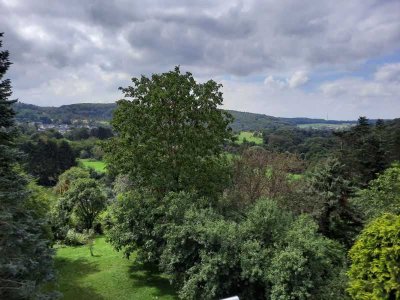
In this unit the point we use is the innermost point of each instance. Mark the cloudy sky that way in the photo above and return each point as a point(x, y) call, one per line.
point(283, 58)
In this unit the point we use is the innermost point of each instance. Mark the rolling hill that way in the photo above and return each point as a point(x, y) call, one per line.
point(244, 121)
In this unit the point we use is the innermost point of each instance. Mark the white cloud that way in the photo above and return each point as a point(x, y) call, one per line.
point(343, 99)
point(273, 82)
point(298, 79)
point(385, 83)
point(388, 72)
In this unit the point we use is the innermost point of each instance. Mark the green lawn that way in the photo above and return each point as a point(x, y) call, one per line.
point(98, 165)
point(249, 136)
point(107, 275)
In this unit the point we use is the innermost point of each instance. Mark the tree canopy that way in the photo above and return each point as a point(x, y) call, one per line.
point(169, 133)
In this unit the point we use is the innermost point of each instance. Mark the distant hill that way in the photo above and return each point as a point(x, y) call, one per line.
point(64, 113)
point(244, 121)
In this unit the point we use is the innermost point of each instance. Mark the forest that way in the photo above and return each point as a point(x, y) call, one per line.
point(164, 195)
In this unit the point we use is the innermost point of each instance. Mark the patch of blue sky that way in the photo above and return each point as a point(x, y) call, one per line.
point(365, 71)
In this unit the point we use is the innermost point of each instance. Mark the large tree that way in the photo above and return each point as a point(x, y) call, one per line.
point(25, 257)
point(86, 199)
point(363, 151)
point(169, 133)
point(47, 158)
point(327, 194)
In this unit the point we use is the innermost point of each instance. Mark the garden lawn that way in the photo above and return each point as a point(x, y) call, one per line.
point(249, 136)
point(97, 165)
point(107, 275)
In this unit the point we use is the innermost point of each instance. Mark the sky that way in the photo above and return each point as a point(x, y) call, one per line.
point(286, 58)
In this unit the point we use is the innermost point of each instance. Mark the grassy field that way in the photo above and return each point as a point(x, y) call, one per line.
point(325, 126)
point(107, 275)
point(99, 166)
point(249, 136)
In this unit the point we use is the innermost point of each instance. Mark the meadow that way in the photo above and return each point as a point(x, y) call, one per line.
point(325, 126)
point(97, 165)
point(107, 275)
point(249, 137)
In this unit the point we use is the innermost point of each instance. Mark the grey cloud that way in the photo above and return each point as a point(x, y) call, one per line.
point(90, 39)
point(252, 37)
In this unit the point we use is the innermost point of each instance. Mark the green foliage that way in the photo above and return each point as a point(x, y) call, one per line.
point(374, 273)
point(327, 198)
point(134, 217)
point(65, 113)
point(101, 132)
point(268, 255)
point(87, 201)
point(25, 256)
point(79, 205)
point(84, 133)
point(41, 199)
point(84, 148)
point(310, 144)
point(75, 238)
point(382, 194)
point(363, 151)
point(47, 158)
point(170, 133)
point(139, 220)
point(67, 178)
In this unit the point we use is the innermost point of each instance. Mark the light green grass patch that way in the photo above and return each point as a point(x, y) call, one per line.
point(107, 275)
point(295, 177)
point(249, 136)
point(325, 126)
point(97, 165)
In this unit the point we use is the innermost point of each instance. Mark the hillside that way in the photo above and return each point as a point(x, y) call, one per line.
point(244, 121)
point(61, 114)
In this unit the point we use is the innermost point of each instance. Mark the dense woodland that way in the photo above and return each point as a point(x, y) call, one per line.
point(304, 214)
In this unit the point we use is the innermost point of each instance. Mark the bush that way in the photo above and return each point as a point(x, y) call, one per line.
point(103, 222)
point(75, 238)
point(139, 221)
point(375, 272)
point(66, 179)
point(270, 254)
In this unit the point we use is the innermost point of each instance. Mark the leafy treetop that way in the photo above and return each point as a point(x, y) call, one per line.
point(169, 132)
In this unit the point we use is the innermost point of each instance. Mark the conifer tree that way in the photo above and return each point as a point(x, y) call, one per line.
point(25, 257)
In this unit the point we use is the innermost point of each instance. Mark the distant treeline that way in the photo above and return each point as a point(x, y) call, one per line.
point(66, 114)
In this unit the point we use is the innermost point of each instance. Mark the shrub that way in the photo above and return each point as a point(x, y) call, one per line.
point(375, 271)
point(270, 254)
point(139, 221)
point(75, 238)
